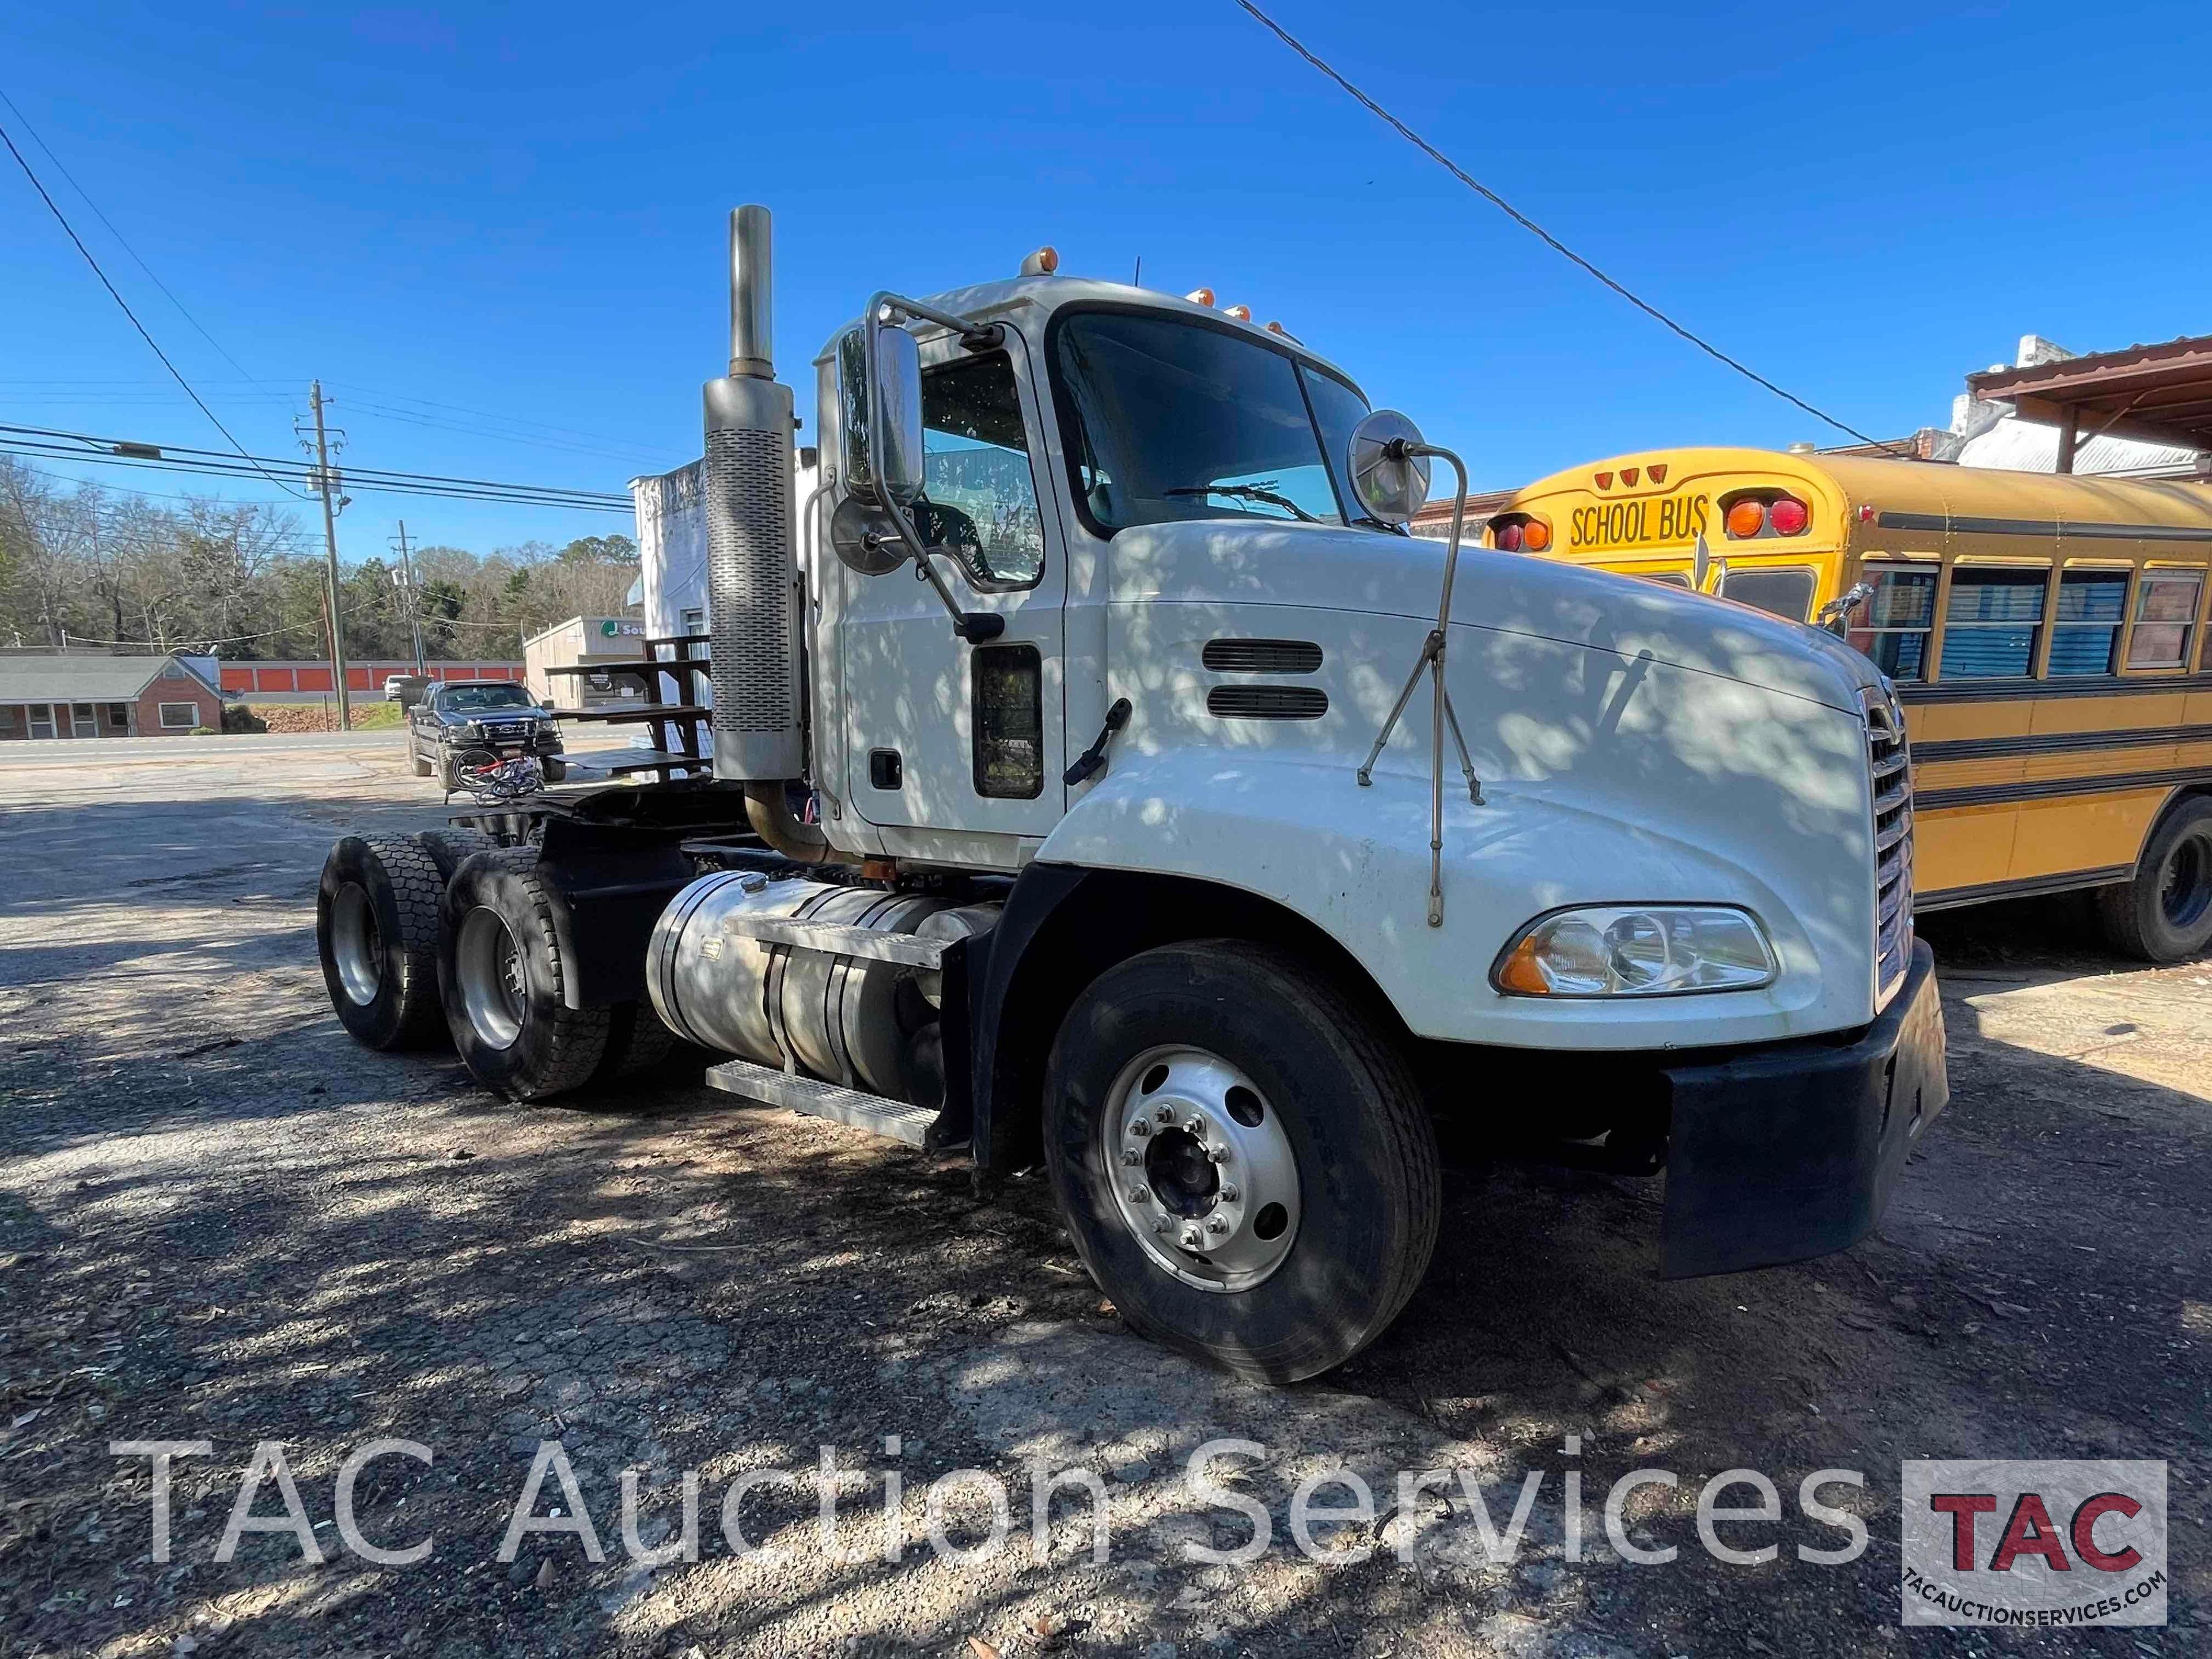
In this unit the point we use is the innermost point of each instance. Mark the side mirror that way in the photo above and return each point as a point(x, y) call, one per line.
point(1391, 485)
point(879, 375)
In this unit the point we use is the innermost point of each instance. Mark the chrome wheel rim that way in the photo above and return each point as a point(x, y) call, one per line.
point(356, 945)
point(488, 964)
point(1202, 1172)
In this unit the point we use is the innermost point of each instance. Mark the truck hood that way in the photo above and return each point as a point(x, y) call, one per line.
point(1324, 566)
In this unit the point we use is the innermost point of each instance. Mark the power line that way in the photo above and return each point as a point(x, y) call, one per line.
point(1544, 235)
point(53, 443)
point(61, 218)
point(24, 121)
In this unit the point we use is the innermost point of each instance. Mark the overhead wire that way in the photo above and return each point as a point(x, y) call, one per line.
point(54, 443)
point(1546, 236)
point(113, 293)
point(62, 167)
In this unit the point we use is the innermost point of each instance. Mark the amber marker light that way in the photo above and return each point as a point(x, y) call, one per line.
point(1746, 519)
point(1536, 534)
point(1200, 296)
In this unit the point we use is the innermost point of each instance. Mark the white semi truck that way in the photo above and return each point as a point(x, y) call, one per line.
point(1113, 784)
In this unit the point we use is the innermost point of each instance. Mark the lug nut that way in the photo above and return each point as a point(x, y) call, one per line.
point(1230, 1194)
point(1165, 1113)
point(1217, 1224)
point(1140, 1128)
point(1140, 1194)
point(1217, 1154)
point(1163, 1225)
point(1197, 1124)
point(1131, 1155)
point(1191, 1238)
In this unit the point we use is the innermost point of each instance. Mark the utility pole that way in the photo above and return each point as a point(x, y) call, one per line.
point(331, 551)
point(414, 605)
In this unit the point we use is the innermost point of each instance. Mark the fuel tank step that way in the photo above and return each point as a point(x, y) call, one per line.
point(878, 1114)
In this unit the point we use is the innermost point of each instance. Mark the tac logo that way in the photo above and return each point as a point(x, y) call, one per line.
point(2034, 1544)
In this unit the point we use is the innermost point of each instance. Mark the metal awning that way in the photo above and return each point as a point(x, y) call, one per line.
point(2162, 394)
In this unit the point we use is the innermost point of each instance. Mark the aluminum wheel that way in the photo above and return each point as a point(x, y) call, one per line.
point(1204, 1173)
point(356, 945)
point(488, 964)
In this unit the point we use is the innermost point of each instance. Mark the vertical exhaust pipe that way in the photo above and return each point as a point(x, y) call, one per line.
point(756, 607)
point(752, 564)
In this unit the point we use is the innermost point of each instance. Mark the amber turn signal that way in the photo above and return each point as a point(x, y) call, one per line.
point(1746, 519)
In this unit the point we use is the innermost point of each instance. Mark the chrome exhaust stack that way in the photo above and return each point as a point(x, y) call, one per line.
point(755, 606)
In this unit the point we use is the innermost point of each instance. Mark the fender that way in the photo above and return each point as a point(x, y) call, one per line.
point(1298, 830)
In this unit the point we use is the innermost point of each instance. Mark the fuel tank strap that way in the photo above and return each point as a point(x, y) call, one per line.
point(836, 940)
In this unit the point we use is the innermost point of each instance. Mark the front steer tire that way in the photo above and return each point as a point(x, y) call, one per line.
point(502, 976)
point(1368, 1190)
point(376, 931)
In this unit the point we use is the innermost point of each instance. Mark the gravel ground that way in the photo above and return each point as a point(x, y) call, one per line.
point(219, 1220)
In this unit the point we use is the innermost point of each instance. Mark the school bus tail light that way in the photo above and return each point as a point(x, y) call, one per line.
point(1746, 519)
point(1536, 535)
point(1788, 515)
point(1506, 536)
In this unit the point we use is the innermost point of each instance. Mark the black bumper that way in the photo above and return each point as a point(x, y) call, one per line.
point(1782, 1153)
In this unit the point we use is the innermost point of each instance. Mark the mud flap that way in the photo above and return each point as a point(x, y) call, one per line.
point(1790, 1152)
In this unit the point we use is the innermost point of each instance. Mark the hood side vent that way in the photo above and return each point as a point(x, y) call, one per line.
point(1261, 656)
point(1266, 702)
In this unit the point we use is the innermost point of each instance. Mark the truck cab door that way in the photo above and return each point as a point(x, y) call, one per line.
point(941, 735)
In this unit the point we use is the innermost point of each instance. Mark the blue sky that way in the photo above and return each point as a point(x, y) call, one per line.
point(466, 217)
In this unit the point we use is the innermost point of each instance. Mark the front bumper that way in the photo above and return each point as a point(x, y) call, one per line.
point(1782, 1153)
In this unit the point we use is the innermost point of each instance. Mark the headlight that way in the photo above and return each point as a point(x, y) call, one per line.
point(1635, 950)
point(472, 731)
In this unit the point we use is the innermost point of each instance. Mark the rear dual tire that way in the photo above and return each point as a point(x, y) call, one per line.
point(503, 979)
point(376, 933)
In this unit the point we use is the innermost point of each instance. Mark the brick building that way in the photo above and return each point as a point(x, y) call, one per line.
point(74, 693)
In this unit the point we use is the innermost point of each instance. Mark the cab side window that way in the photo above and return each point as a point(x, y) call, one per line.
point(981, 501)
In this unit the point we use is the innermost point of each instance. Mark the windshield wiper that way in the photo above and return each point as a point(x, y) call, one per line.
point(1249, 493)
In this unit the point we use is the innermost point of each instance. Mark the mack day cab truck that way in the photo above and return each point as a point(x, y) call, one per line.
point(1116, 786)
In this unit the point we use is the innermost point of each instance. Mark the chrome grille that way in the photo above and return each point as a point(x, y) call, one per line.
point(1889, 760)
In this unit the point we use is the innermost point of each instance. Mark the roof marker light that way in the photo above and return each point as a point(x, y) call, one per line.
point(1200, 296)
point(1043, 263)
point(1604, 480)
point(1629, 474)
point(1657, 471)
point(1241, 313)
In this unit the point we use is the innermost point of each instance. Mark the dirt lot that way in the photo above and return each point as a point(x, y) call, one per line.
point(222, 1221)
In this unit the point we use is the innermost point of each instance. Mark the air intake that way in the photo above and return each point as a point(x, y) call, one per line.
point(752, 568)
point(1261, 656)
point(1266, 702)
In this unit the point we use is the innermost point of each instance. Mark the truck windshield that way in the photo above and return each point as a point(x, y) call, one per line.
point(482, 699)
point(1169, 420)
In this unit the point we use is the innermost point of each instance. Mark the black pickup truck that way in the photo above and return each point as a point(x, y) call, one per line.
point(471, 716)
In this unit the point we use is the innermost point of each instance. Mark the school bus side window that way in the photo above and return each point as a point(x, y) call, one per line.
point(1993, 623)
point(2166, 619)
point(1892, 624)
point(2085, 635)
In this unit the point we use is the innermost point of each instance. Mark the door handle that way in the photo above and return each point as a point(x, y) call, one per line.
point(1092, 761)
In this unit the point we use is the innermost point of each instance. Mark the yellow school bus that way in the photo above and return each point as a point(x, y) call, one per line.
point(2046, 634)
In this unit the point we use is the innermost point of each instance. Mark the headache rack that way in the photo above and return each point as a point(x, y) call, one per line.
point(1889, 762)
point(676, 725)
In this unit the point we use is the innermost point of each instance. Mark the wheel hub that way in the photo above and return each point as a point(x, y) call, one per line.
point(1207, 1181)
point(356, 945)
point(489, 967)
